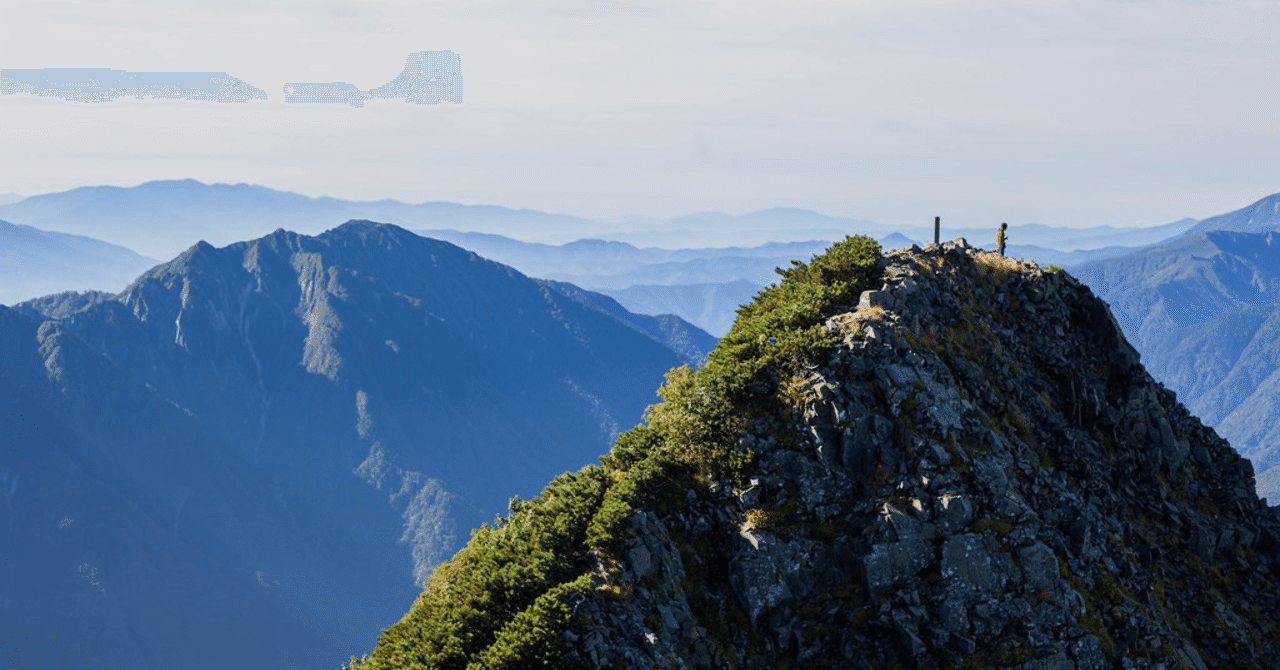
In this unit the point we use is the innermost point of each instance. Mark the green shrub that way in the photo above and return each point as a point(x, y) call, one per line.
point(533, 637)
point(503, 600)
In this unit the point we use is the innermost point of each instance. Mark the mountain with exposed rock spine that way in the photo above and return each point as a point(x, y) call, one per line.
point(255, 454)
point(966, 467)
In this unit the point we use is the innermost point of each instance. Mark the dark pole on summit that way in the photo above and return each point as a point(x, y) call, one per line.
point(937, 228)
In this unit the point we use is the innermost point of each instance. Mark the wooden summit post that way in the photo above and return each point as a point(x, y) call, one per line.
point(937, 228)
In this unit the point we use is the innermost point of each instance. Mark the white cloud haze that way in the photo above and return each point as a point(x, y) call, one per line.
point(1064, 113)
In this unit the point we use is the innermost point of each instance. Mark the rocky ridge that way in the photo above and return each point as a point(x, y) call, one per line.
point(982, 475)
point(964, 467)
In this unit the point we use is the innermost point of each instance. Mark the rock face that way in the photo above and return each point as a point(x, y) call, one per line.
point(1204, 311)
point(980, 474)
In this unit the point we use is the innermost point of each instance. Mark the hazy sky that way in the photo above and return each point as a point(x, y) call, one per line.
point(1065, 113)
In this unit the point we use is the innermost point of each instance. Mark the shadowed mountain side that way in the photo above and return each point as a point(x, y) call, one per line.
point(1191, 280)
point(406, 335)
point(394, 391)
point(130, 539)
point(1202, 310)
point(673, 332)
point(712, 307)
point(36, 262)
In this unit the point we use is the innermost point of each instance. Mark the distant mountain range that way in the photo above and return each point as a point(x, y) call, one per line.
point(700, 285)
point(1260, 217)
point(706, 286)
point(712, 307)
point(1204, 311)
point(274, 441)
point(253, 455)
point(36, 262)
point(161, 218)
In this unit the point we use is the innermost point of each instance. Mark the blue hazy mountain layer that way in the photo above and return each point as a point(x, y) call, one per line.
point(253, 455)
point(37, 262)
point(129, 537)
point(703, 286)
point(162, 218)
point(1204, 311)
point(428, 78)
point(596, 258)
point(90, 84)
point(693, 344)
point(712, 307)
point(1259, 217)
point(705, 229)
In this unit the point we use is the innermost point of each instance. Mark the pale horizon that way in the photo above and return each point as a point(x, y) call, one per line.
point(1073, 114)
point(631, 218)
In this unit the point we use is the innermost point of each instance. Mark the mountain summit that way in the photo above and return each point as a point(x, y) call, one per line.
point(965, 466)
point(274, 442)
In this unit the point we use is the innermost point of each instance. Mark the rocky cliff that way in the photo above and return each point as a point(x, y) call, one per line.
point(1204, 310)
point(966, 467)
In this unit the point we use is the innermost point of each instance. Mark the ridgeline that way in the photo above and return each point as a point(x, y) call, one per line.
point(934, 458)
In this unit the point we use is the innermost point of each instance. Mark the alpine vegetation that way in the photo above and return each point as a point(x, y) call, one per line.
point(934, 458)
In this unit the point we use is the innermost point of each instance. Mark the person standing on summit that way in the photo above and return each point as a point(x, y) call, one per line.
point(1001, 238)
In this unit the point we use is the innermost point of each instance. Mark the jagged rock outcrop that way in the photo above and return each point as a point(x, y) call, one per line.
point(983, 473)
point(977, 473)
point(1204, 310)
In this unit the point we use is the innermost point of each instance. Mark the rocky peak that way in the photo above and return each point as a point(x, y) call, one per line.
point(976, 472)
